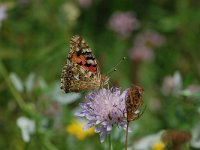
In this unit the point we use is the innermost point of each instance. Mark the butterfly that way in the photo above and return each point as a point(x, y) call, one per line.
point(81, 71)
point(133, 102)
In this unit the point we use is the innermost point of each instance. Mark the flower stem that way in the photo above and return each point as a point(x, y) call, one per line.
point(110, 142)
point(14, 92)
point(126, 145)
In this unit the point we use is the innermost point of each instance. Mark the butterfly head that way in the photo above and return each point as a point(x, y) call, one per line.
point(104, 80)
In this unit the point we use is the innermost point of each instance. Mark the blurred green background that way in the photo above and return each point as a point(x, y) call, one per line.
point(159, 38)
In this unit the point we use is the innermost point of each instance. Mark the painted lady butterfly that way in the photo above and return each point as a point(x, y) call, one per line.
point(81, 71)
point(133, 102)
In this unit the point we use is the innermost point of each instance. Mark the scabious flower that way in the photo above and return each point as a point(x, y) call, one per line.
point(103, 109)
point(27, 127)
point(84, 3)
point(191, 90)
point(150, 39)
point(76, 129)
point(141, 53)
point(144, 44)
point(194, 88)
point(123, 23)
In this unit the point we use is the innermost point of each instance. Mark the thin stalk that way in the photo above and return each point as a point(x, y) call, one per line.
point(110, 142)
point(126, 145)
point(14, 92)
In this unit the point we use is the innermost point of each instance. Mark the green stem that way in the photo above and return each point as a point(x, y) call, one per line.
point(49, 145)
point(126, 144)
point(14, 92)
point(110, 142)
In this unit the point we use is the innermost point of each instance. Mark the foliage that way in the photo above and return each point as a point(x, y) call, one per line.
point(159, 38)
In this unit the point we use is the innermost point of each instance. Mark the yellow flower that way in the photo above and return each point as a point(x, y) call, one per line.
point(76, 129)
point(160, 145)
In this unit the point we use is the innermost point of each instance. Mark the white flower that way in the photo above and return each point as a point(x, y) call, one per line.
point(62, 98)
point(17, 82)
point(29, 84)
point(195, 141)
point(147, 142)
point(71, 12)
point(30, 81)
point(3, 14)
point(172, 84)
point(27, 127)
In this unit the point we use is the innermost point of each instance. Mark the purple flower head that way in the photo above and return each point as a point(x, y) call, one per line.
point(149, 38)
point(84, 3)
point(123, 23)
point(24, 2)
point(141, 53)
point(193, 88)
point(103, 109)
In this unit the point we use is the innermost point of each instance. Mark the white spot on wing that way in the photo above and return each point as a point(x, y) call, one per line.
point(89, 61)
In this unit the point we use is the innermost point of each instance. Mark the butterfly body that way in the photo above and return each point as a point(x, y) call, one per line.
point(81, 71)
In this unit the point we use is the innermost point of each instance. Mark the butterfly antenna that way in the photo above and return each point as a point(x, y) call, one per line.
point(113, 69)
